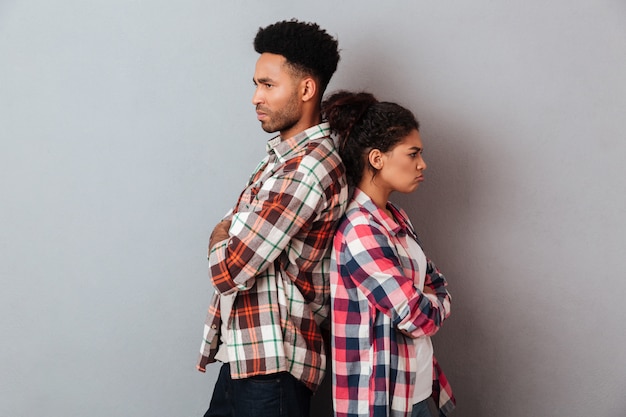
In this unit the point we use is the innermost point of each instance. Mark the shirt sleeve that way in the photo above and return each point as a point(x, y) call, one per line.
point(374, 268)
point(436, 281)
point(283, 207)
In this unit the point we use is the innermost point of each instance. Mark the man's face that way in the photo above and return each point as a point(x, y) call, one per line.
point(277, 99)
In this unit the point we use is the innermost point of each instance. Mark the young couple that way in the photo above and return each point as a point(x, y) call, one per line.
point(296, 252)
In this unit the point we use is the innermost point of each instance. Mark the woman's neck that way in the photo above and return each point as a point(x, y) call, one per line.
point(379, 196)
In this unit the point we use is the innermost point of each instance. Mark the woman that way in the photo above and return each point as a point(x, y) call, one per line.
point(387, 297)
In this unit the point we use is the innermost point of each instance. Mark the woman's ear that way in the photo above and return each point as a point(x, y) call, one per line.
point(375, 158)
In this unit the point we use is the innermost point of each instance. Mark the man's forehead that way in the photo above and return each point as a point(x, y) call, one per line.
point(270, 66)
point(269, 59)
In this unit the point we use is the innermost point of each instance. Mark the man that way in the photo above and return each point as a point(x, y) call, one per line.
point(269, 257)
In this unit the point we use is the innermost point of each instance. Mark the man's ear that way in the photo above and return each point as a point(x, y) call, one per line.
point(308, 88)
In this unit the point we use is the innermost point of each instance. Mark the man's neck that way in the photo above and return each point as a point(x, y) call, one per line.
point(305, 122)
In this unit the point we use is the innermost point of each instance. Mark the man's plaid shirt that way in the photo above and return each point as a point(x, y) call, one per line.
point(277, 260)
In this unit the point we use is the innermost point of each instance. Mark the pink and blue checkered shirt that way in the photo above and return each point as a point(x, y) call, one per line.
point(377, 312)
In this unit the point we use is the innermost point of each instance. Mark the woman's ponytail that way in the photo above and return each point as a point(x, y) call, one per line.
point(343, 110)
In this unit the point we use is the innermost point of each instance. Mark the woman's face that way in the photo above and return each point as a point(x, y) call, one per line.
point(403, 166)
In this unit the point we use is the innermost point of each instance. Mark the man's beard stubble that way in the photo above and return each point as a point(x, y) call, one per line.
point(282, 119)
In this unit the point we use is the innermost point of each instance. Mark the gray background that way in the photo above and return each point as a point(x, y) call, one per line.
point(127, 131)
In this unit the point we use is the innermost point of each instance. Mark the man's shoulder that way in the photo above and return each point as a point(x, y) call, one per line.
point(323, 143)
point(321, 149)
point(317, 156)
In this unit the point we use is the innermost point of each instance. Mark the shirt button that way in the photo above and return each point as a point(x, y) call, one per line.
point(214, 326)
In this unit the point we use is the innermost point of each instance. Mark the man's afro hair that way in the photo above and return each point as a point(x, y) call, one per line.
point(306, 47)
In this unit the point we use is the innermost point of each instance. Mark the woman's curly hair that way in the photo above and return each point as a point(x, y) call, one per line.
point(363, 123)
point(307, 48)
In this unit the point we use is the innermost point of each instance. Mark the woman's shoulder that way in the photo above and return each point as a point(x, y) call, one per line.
point(358, 216)
point(358, 211)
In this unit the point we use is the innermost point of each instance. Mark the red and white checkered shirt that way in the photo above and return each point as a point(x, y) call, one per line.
point(277, 261)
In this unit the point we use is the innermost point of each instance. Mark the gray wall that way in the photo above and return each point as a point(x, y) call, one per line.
point(127, 131)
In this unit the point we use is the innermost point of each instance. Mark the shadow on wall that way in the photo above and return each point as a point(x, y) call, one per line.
point(440, 213)
point(447, 214)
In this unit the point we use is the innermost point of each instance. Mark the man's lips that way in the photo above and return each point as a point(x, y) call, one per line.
point(260, 114)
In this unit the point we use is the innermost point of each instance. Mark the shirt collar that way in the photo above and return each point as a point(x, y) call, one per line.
point(396, 225)
point(287, 148)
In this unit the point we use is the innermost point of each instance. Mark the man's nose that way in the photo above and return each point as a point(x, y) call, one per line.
point(256, 97)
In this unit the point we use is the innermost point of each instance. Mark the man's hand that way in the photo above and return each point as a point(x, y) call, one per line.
point(220, 232)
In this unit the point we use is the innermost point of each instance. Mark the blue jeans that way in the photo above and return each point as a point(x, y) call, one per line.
point(421, 409)
point(274, 395)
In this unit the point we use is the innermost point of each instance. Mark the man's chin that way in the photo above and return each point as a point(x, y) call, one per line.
point(267, 128)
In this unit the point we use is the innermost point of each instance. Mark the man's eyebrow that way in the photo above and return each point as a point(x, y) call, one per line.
point(262, 80)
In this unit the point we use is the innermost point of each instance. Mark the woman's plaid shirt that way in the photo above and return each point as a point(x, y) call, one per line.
point(277, 260)
point(376, 313)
